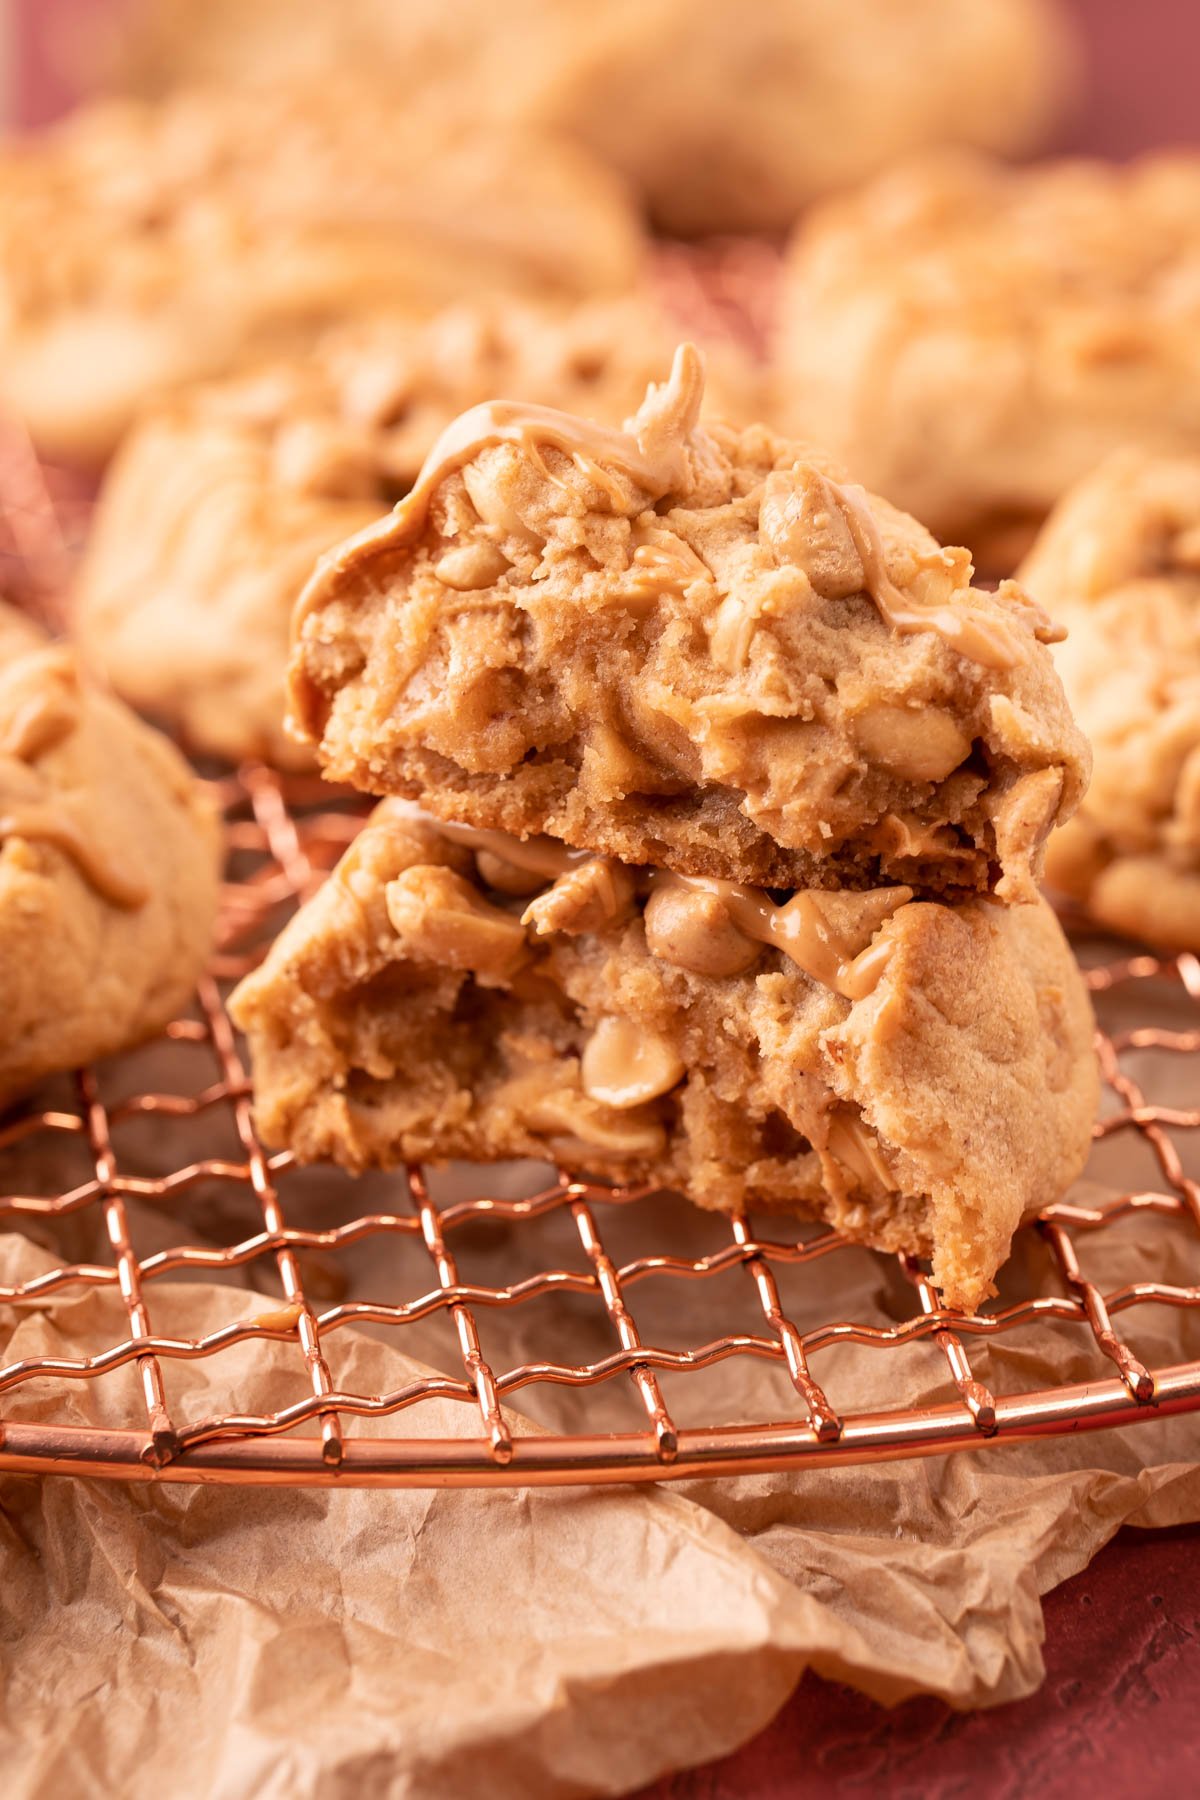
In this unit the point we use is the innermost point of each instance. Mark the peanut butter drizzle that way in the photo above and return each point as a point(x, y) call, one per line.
point(38, 721)
point(992, 642)
point(42, 719)
point(280, 1318)
point(543, 856)
point(860, 977)
point(798, 928)
point(653, 454)
point(49, 825)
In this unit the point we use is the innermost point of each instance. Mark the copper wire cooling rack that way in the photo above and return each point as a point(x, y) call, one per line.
point(146, 1225)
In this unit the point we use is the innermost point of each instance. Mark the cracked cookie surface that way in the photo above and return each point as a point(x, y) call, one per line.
point(920, 1076)
point(690, 645)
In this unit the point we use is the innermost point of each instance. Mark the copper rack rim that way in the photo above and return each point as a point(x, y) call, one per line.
point(555, 1461)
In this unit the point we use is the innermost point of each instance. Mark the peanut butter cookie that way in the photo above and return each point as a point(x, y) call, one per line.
point(690, 645)
point(1119, 560)
point(220, 501)
point(918, 1075)
point(726, 117)
point(109, 862)
point(973, 338)
point(145, 245)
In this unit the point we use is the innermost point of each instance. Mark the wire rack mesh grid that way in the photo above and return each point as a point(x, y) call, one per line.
point(280, 1273)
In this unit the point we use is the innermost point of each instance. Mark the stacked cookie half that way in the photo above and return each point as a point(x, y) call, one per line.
point(715, 806)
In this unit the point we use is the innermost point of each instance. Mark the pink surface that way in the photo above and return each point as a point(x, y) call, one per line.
point(1115, 1718)
point(1117, 1713)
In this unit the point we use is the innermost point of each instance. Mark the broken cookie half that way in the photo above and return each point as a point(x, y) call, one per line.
point(919, 1075)
point(687, 644)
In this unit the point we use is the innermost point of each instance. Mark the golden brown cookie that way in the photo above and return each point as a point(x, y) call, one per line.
point(726, 117)
point(973, 339)
point(690, 645)
point(919, 1076)
point(109, 863)
point(1119, 561)
point(144, 245)
point(220, 502)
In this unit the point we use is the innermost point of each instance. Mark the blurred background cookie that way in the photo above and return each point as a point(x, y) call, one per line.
point(146, 244)
point(724, 117)
point(1119, 562)
point(973, 338)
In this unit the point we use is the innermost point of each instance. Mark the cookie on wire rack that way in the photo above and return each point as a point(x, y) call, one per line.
point(109, 867)
point(221, 500)
point(728, 776)
point(1119, 561)
point(687, 644)
point(918, 1075)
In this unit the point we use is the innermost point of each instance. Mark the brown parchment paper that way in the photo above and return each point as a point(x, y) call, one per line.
point(226, 1642)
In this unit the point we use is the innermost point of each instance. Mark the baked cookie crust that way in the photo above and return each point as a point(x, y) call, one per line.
point(917, 1075)
point(689, 645)
point(1119, 561)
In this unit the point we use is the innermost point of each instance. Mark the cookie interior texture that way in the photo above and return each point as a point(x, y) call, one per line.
point(724, 117)
point(220, 500)
point(973, 338)
point(687, 645)
point(917, 1075)
point(109, 867)
point(1119, 561)
point(146, 245)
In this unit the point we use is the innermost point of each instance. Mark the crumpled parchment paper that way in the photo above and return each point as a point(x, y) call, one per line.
point(233, 1643)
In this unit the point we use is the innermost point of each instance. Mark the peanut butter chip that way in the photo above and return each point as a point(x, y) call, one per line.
point(918, 744)
point(566, 1113)
point(592, 896)
point(469, 566)
point(440, 918)
point(625, 1065)
point(693, 930)
point(805, 529)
